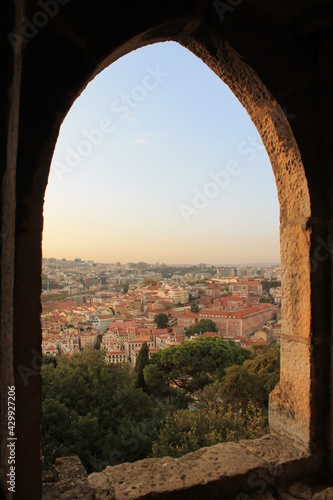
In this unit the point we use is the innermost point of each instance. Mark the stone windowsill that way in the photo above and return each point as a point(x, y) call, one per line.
point(226, 470)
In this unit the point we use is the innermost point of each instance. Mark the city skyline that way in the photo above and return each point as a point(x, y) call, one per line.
point(158, 161)
point(177, 264)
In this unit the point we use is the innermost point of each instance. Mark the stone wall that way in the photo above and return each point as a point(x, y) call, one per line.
point(276, 58)
point(246, 471)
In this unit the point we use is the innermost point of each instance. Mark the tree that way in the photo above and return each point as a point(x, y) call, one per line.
point(125, 289)
point(148, 281)
point(161, 320)
point(268, 284)
point(266, 363)
point(194, 308)
point(267, 300)
point(239, 386)
point(155, 380)
point(192, 365)
point(202, 326)
point(94, 410)
point(255, 379)
point(185, 431)
point(140, 364)
point(50, 360)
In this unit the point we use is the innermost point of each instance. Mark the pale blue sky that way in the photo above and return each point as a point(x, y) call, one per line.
point(163, 124)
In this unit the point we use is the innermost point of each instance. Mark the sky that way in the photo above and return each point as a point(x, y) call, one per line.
point(157, 161)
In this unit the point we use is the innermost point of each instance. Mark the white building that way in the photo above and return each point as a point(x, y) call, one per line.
point(131, 345)
point(102, 322)
point(179, 295)
point(276, 293)
point(115, 356)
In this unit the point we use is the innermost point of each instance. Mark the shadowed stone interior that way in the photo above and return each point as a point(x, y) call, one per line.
point(277, 59)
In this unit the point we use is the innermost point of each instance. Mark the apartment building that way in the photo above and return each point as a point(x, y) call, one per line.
point(135, 353)
point(233, 323)
point(179, 333)
point(115, 356)
point(131, 345)
point(179, 295)
point(249, 290)
point(187, 319)
point(276, 293)
point(213, 290)
point(87, 339)
point(102, 322)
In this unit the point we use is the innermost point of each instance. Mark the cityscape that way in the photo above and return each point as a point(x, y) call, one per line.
point(116, 307)
point(166, 250)
point(168, 341)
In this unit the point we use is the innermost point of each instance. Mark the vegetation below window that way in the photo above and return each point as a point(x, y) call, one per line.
point(185, 397)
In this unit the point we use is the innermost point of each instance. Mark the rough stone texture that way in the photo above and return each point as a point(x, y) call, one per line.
point(295, 380)
point(206, 470)
point(267, 495)
point(153, 479)
point(326, 494)
point(303, 491)
point(234, 468)
point(67, 481)
point(300, 490)
point(274, 450)
point(274, 56)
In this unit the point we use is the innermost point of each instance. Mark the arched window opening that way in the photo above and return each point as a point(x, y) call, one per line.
point(161, 226)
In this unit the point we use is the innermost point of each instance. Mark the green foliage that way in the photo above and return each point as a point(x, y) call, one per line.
point(51, 297)
point(141, 362)
point(226, 410)
point(192, 365)
point(96, 411)
point(93, 409)
point(155, 380)
point(161, 320)
point(49, 360)
point(186, 431)
point(149, 281)
point(255, 379)
point(125, 288)
point(267, 300)
point(268, 284)
point(202, 326)
point(168, 271)
point(194, 308)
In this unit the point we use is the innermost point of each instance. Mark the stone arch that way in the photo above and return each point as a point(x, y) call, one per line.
point(294, 200)
point(46, 74)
